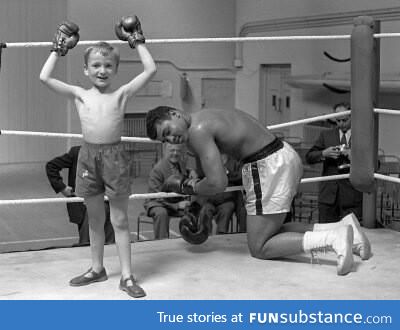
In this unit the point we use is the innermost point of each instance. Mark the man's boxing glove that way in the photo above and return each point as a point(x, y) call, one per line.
point(190, 231)
point(66, 37)
point(129, 29)
point(179, 184)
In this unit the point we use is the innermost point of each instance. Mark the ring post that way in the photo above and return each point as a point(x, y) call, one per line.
point(364, 127)
point(2, 45)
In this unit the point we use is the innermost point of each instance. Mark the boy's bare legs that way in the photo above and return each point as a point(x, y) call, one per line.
point(96, 215)
point(266, 240)
point(95, 209)
point(119, 220)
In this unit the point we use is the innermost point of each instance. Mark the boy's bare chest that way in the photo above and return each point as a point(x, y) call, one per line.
point(99, 103)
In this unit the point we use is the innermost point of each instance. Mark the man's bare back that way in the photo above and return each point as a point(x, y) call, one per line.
point(234, 132)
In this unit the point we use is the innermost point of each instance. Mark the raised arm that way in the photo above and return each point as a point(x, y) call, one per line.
point(149, 69)
point(129, 29)
point(54, 84)
point(66, 38)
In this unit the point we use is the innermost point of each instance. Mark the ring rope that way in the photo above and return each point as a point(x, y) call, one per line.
point(147, 140)
point(310, 120)
point(184, 40)
point(202, 40)
point(387, 35)
point(387, 111)
point(168, 195)
point(145, 196)
point(386, 178)
point(79, 199)
point(71, 135)
point(325, 178)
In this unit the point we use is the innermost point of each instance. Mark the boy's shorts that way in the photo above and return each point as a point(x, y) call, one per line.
point(270, 179)
point(103, 169)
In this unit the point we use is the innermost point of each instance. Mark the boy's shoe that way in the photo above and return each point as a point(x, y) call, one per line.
point(89, 277)
point(133, 289)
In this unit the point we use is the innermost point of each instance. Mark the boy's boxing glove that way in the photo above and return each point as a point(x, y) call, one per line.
point(129, 29)
point(66, 37)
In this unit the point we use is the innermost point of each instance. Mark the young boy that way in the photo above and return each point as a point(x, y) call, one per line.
point(103, 166)
point(271, 173)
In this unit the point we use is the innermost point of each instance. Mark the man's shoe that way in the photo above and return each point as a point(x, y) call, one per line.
point(130, 286)
point(361, 245)
point(339, 240)
point(89, 277)
point(342, 242)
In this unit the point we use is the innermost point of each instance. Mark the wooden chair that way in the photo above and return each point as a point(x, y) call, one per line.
point(388, 193)
point(143, 218)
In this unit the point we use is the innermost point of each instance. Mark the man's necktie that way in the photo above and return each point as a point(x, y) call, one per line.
point(343, 140)
point(177, 168)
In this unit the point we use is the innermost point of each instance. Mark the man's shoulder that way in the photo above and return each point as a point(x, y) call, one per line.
point(329, 131)
point(207, 121)
point(75, 149)
point(160, 165)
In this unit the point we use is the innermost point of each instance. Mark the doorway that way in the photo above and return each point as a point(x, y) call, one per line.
point(274, 95)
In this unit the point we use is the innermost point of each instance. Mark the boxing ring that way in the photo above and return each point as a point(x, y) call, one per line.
point(217, 266)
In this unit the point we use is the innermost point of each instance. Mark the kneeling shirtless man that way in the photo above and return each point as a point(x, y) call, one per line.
point(271, 173)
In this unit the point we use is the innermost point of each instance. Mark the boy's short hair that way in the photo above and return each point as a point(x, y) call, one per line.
point(156, 116)
point(105, 49)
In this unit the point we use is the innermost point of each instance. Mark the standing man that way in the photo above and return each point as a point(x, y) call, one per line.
point(76, 211)
point(336, 198)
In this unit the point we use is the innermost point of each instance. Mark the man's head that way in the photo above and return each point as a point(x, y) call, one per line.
point(167, 124)
point(343, 122)
point(101, 63)
point(175, 152)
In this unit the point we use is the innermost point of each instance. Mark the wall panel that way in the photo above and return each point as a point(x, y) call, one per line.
point(24, 103)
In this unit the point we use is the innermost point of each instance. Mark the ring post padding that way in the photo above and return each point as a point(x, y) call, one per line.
point(2, 45)
point(362, 93)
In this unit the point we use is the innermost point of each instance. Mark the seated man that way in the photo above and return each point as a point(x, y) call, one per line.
point(161, 209)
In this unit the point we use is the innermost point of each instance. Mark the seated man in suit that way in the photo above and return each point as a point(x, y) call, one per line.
point(76, 211)
point(161, 209)
point(336, 198)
